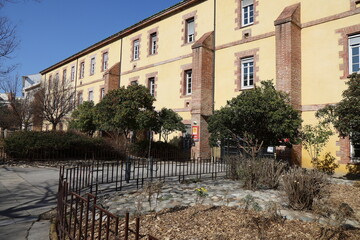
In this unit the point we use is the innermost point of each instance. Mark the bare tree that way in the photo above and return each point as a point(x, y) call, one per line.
point(55, 100)
point(21, 109)
point(8, 44)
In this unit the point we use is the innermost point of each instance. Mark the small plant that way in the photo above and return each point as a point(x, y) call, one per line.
point(261, 173)
point(303, 186)
point(249, 202)
point(139, 204)
point(151, 188)
point(326, 165)
point(201, 194)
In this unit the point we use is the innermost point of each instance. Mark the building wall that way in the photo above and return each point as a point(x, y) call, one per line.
point(299, 44)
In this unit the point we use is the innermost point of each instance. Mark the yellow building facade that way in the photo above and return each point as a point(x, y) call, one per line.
point(198, 54)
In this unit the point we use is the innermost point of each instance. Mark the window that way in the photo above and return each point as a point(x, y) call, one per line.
point(72, 73)
point(136, 49)
point(82, 69)
point(190, 30)
point(92, 66)
point(134, 82)
point(153, 39)
point(91, 96)
point(354, 54)
point(247, 12)
point(151, 84)
point(102, 93)
point(56, 81)
point(105, 61)
point(80, 98)
point(64, 76)
point(50, 81)
point(247, 73)
point(355, 152)
point(188, 82)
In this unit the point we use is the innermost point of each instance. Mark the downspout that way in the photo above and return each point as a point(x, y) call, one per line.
point(120, 62)
point(214, 58)
point(76, 78)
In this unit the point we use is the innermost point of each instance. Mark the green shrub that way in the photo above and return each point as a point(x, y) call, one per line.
point(55, 145)
point(159, 150)
point(261, 173)
point(303, 186)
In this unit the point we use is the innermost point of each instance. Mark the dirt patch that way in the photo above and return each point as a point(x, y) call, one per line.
point(220, 223)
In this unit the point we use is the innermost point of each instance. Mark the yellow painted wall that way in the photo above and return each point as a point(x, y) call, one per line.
point(170, 44)
point(225, 68)
point(95, 82)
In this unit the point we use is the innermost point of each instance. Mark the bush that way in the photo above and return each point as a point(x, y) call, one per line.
point(303, 186)
point(326, 165)
point(159, 150)
point(261, 173)
point(56, 145)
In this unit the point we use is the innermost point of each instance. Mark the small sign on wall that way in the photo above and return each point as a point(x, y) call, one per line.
point(196, 133)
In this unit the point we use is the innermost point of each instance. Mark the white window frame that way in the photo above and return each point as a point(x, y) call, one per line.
point(102, 93)
point(190, 30)
point(64, 75)
point(105, 61)
point(188, 82)
point(246, 65)
point(136, 53)
point(72, 73)
point(80, 98)
point(247, 12)
point(354, 43)
point(153, 43)
point(151, 82)
point(352, 153)
point(91, 96)
point(82, 69)
point(92, 66)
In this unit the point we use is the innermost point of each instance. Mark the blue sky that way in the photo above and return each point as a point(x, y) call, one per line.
point(52, 30)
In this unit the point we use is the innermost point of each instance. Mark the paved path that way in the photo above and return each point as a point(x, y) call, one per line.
point(25, 193)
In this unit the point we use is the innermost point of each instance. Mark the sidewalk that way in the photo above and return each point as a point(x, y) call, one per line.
point(25, 193)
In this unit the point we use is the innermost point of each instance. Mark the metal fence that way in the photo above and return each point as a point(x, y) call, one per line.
point(133, 172)
point(79, 216)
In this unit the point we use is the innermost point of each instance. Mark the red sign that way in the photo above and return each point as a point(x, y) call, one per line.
point(196, 133)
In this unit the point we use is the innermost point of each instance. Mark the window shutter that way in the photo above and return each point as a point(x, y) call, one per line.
point(246, 3)
point(191, 27)
point(354, 40)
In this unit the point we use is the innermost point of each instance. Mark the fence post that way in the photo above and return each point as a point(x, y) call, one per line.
point(127, 169)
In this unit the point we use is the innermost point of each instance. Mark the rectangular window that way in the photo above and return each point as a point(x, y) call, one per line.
point(91, 96)
point(151, 84)
point(80, 98)
point(354, 54)
point(64, 76)
point(247, 73)
point(56, 80)
point(136, 45)
point(134, 83)
point(355, 152)
point(72, 73)
point(92, 66)
point(190, 30)
point(153, 39)
point(105, 61)
point(82, 69)
point(247, 12)
point(102, 93)
point(188, 82)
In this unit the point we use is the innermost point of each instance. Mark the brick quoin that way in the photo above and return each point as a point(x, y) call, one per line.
point(288, 60)
point(344, 153)
point(202, 100)
point(111, 78)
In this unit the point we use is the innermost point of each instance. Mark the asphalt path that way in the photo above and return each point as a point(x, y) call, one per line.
point(25, 193)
